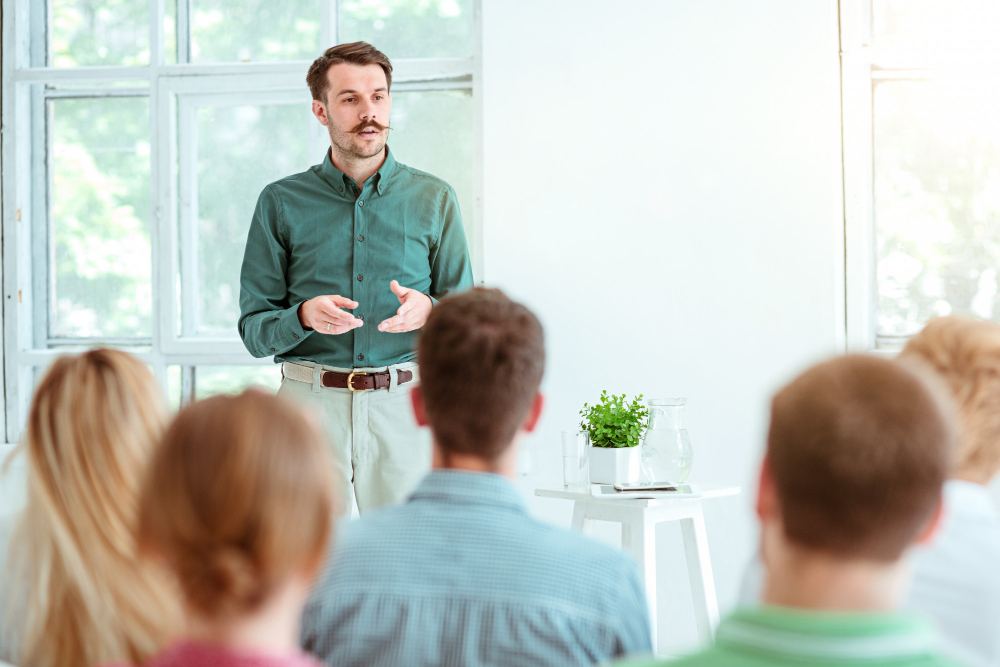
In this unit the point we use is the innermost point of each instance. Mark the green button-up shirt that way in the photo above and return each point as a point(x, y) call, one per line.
point(314, 234)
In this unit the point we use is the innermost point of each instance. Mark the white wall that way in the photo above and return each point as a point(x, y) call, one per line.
point(663, 188)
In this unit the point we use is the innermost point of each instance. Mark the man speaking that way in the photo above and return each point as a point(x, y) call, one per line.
point(343, 264)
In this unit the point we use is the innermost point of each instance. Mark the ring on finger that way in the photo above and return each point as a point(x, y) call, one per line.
point(328, 325)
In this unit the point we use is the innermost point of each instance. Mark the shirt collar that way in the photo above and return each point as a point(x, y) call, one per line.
point(808, 636)
point(467, 487)
point(340, 181)
point(968, 498)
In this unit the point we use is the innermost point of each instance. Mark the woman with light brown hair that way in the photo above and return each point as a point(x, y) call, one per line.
point(956, 580)
point(75, 593)
point(238, 504)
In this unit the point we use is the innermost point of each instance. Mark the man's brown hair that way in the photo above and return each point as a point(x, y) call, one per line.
point(481, 362)
point(859, 448)
point(355, 53)
point(965, 353)
point(237, 499)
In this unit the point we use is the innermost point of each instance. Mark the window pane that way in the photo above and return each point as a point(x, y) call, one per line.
point(254, 30)
point(99, 32)
point(432, 131)
point(170, 32)
point(240, 150)
point(937, 202)
point(100, 217)
point(935, 20)
point(174, 388)
point(409, 28)
point(211, 380)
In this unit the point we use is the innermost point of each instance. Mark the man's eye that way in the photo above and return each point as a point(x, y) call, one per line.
point(348, 99)
point(378, 98)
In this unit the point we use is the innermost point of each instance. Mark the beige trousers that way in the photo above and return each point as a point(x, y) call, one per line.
point(374, 438)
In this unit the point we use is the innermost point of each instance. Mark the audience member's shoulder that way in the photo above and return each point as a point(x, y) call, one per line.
point(375, 528)
point(561, 540)
point(598, 565)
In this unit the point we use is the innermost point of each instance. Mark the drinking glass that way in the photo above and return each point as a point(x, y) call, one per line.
point(576, 460)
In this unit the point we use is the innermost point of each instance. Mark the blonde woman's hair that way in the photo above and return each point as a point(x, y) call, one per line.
point(82, 597)
point(239, 498)
point(965, 353)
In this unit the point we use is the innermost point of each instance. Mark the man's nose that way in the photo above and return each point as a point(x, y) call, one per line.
point(367, 110)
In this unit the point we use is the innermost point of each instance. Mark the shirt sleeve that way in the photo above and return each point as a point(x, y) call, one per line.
point(634, 637)
point(451, 270)
point(269, 324)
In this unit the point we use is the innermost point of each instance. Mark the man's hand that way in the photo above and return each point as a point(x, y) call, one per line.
point(324, 314)
point(412, 314)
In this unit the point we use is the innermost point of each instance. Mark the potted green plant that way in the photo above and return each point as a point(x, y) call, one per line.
point(616, 430)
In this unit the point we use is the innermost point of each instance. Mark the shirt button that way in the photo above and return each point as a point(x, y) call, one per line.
point(272, 349)
point(360, 317)
point(360, 237)
point(360, 277)
point(361, 202)
point(341, 189)
point(361, 357)
point(296, 336)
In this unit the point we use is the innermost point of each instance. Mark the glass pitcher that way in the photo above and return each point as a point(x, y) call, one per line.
point(666, 450)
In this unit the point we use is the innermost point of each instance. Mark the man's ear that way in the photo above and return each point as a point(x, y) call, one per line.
point(767, 494)
point(320, 112)
point(417, 401)
point(933, 525)
point(534, 413)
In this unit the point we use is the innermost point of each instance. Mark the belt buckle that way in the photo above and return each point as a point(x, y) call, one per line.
point(350, 385)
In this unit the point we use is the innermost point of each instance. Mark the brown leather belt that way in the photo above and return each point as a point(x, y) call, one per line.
point(353, 381)
point(362, 381)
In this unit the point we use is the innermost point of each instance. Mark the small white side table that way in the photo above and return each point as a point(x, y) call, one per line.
point(638, 517)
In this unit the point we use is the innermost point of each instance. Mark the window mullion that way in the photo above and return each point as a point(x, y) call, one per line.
point(183, 31)
point(159, 174)
point(187, 136)
point(40, 221)
point(188, 384)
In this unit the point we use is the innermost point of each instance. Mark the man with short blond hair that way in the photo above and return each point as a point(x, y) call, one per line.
point(956, 579)
point(461, 574)
point(857, 451)
point(343, 264)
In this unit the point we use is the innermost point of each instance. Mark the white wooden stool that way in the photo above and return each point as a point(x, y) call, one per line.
point(638, 517)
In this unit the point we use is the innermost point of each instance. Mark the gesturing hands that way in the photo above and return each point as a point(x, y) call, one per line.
point(412, 314)
point(324, 314)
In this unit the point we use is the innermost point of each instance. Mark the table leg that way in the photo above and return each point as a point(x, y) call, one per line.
point(639, 539)
point(580, 521)
point(706, 606)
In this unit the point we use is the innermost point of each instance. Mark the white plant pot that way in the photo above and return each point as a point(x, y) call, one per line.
point(611, 465)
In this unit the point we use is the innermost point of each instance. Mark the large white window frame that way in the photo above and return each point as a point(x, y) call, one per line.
point(174, 92)
point(866, 61)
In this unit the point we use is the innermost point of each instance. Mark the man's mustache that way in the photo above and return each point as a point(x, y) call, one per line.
point(369, 123)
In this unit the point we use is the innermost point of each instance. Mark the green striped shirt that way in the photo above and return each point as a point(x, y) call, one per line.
point(784, 637)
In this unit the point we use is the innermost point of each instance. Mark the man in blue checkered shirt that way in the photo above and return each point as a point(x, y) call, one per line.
point(461, 574)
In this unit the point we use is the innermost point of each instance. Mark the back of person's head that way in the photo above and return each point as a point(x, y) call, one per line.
point(92, 428)
point(965, 353)
point(238, 500)
point(858, 449)
point(481, 362)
